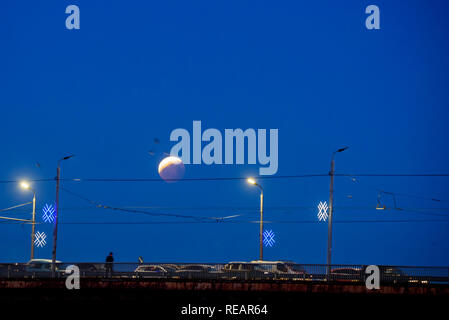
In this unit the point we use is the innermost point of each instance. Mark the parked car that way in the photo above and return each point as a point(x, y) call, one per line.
point(41, 268)
point(170, 266)
point(7, 270)
point(245, 271)
point(91, 269)
point(196, 271)
point(392, 274)
point(397, 275)
point(152, 271)
point(282, 270)
point(297, 271)
point(352, 274)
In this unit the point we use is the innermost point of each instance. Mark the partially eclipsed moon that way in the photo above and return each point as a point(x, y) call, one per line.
point(171, 169)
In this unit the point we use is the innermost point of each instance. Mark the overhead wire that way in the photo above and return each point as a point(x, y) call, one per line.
point(249, 221)
point(382, 190)
point(393, 194)
point(238, 178)
point(17, 206)
point(98, 205)
point(124, 209)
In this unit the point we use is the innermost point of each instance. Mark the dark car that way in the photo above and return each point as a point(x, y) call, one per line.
point(296, 272)
point(398, 275)
point(7, 270)
point(392, 274)
point(245, 271)
point(352, 274)
point(196, 271)
point(281, 270)
point(91, 269)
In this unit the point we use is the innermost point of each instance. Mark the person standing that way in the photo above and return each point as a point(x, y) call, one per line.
point(109, 264)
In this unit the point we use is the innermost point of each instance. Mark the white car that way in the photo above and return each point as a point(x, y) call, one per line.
point(152, 271)
point(42, 267)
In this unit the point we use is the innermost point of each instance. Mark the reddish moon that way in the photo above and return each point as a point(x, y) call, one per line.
point(171, 169)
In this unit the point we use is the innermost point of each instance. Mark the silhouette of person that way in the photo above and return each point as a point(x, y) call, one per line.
point(109, 265)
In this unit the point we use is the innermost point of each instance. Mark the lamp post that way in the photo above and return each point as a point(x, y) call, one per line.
point(26, 185)
point(253, 182)
point(331, 209)
point(55, 230)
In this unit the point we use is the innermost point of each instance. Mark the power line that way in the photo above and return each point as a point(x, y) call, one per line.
point(14, 207)
point(161, 180)
point(98, 205)
point(420, 212)
point(238, 178)
point(15, 219)
point(383, 191)
point(254, 212)
point(30, 180)
point(393, 175)
point(124, 209)
point(252, 221)
point(282, 209)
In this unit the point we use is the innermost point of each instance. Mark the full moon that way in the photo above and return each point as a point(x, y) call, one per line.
point(171, 169)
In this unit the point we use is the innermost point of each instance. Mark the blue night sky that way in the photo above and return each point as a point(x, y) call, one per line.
point(136, 70)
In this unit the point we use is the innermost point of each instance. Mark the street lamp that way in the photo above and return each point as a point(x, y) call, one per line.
point(254, 182)
point(25, 185)
point(55, 230)
point(331, 209)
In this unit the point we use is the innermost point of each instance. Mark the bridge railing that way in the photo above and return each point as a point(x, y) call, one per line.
point(235, 271)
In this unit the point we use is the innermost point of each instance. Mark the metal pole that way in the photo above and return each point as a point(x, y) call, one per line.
point(261, 227)
point(55, 230)
point(331, 209)
point(33, 226)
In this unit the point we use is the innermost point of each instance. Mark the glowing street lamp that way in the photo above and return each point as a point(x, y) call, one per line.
point(254, 182)
point(25, 185)
point(251, 181)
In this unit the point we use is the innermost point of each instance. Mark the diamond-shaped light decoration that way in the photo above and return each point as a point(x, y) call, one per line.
point(48, 213)
point(322, 211)
point(39, 239)
point(268, 238)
